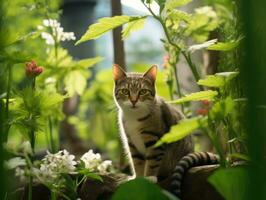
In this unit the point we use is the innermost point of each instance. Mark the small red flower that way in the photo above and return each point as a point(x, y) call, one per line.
point(32, 69)
point(205, 102)
point(202, 111)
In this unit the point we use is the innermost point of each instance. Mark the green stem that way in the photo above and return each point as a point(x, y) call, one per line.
point(53, 148)
point(53, 195)
point(9, 82)
point(32, 140)
point(178, 85)
point(186, 56)
point(30, 188)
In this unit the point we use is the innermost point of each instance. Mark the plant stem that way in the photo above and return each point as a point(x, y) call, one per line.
point(178, 86)
point(184, 53)
point(53, 195)
point(53, 148)
point(9, 82)
point(30, 188)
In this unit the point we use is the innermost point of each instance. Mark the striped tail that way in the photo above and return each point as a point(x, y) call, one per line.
point(188, 161)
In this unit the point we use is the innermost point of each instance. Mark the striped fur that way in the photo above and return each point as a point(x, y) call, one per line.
point(187, 162)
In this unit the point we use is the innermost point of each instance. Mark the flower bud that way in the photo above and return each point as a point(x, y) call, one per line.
point(32, 70)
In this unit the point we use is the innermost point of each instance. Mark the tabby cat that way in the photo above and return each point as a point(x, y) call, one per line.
point(144, 118)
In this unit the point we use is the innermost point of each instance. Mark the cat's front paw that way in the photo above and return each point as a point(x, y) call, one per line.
point(152, 179)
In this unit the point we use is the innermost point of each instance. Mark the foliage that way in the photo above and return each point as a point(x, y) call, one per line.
point(146, 190)
point(226, 180)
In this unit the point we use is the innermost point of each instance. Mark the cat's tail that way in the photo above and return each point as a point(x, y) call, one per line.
point(188, 161)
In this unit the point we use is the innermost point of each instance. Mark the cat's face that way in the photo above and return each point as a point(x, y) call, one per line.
point(134, 92)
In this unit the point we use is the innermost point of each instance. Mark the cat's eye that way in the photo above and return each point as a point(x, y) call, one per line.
point(125, 91)
point(143, 91)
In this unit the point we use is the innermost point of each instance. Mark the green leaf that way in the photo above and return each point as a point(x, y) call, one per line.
point(172, 4)
point(218, 80)
point(231, 183)
point(182, 129)
point(141, 189)
point(133, 26)
point(86, 63)
point(224, 46)
point(89, 174)
point(104, 25)
point(75, 82)
point(222, 108)
point(197, 96)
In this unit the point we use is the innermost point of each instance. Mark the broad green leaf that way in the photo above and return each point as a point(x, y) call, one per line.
point(133, 26)
point(75, 82)
point(222, 108)
point(224, 46)
point(89, 174)
point(86, 63)
point(104, 25)
point(218, 80)
point(139, 188)
point(231, 183)
point(197, 96)
point(182, 129)
point(172, 4)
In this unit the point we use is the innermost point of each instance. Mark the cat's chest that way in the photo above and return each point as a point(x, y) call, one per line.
point(132, 130)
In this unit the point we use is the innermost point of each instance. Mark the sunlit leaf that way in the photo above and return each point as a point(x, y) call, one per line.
point(104, 25)
point(197, 96)
point(145, 191)
point(218, 80)
point(75, 82)
point(182, 129)
point(89, 62)
point(172, 4)
point(224, 46)
point(231, 183)
point(133, 26)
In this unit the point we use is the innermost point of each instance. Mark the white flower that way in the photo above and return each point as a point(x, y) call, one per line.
point(94, 163)
point(52, 165)
point(48, 38)
point(19, 172)
point(56, 32)
point(103, 167)
point(91, 160)
point(15, 162)
point(202, 46)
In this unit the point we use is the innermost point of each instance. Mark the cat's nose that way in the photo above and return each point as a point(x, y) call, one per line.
point(133, 100)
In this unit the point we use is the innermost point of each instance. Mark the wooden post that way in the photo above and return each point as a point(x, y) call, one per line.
point(118, 44)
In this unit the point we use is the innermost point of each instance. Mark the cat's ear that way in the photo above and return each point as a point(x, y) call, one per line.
point(151, 73)
point(118, 72)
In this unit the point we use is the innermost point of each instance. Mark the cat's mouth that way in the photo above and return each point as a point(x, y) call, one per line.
point(133, 107)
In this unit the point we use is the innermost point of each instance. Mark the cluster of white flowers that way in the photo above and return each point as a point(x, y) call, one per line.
point(94, 163)
point(52, 165)
point(56, 32)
